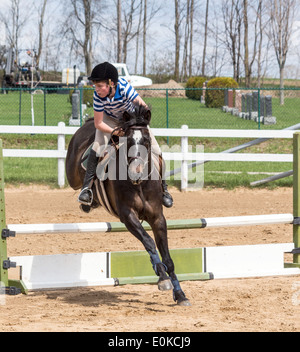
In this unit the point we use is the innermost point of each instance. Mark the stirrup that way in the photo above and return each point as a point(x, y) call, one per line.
point(91, 196)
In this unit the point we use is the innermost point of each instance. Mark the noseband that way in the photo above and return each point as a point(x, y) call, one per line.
point(138, 127)
point(138, 123)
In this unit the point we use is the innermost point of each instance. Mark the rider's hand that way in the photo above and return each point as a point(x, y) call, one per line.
point(119, 132)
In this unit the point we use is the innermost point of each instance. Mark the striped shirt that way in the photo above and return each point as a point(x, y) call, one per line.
point(122, 100)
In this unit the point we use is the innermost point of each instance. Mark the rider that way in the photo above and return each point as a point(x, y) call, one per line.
point(112, 96)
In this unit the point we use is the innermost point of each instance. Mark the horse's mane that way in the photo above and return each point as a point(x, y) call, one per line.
point(137, 117)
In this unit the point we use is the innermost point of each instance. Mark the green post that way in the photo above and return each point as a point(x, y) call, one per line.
point(258, 108)
point(11, 286)
point(80, 104)
point(45, 118)
point(20, 106)
point(167, 107)
point(296, 195)
point(3, 248)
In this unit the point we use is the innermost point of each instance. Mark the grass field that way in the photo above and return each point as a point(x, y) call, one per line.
point(44, 171)
point(49, 109)
point(195, 115)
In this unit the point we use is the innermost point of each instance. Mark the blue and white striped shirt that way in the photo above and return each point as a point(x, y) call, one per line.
point(122, 100)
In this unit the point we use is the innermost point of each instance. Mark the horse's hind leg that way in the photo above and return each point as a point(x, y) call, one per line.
point(134, 226)
point(159, 228)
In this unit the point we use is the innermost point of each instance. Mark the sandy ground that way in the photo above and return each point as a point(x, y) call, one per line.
point(259, 304)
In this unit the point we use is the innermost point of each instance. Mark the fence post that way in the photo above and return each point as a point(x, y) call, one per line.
point(45, 118)
point(20, 106)
point(80, 103)
point(296, 196)
point(167, 112)
point(258, 108)
point(184, 162)
point(61, 144)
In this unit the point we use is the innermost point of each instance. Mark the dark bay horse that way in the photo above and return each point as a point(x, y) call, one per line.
point(133, 198)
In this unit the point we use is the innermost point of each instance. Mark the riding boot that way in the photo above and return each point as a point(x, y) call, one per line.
point(167, 198)
point(86, 195)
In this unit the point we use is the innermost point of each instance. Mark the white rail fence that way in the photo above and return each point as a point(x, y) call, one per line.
point(183, 156)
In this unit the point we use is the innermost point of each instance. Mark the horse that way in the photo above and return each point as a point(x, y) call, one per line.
point(134, 198)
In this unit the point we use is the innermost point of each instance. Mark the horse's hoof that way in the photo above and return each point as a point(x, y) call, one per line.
point(85, 208)
point(180, 298)
point(165, 285)
point(184, 303)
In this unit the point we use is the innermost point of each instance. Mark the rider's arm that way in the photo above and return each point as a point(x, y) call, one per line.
point(138, 100)
point(101, 125)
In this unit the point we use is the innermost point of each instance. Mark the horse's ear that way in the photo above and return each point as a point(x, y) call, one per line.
point(126, 116)
point(148, 116)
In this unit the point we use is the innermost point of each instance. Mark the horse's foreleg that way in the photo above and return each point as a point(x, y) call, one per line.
point(134, 226)
point(159, 228)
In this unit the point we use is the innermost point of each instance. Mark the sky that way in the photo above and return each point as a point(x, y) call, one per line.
point(159, 41)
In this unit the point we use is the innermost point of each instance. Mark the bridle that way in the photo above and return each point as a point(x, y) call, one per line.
point(138, 123)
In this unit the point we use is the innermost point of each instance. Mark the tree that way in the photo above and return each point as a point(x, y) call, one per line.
point(129, 31)
point(145, 37)
point(79, 26)
point(41, 27)
point(191, 36)
point(246, 57)
point(186, 41)
point(232, 19)
point(257, 31)
point(14, 22)
point(281, 20)
point(177, 39)
point(119, 31)
point(262, 25)
point(138, 39)
point(205, 39)
point(216, 59)
point(260, 21)
point(126, 27)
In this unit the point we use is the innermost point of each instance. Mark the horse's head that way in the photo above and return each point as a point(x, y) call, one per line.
point(135, 125)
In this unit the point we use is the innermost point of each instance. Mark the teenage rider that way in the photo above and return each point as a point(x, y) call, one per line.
point(112, 96)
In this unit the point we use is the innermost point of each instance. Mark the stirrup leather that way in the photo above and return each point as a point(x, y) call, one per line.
point(91, 196)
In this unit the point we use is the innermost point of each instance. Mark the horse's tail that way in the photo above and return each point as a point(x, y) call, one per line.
point(80, 141)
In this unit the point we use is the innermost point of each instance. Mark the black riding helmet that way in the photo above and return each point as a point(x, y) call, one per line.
point(104, 72)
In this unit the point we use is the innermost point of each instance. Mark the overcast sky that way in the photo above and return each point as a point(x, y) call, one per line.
point(160, 37)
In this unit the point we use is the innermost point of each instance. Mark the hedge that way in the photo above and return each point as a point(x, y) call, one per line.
point(195, 82)
point(215, 98)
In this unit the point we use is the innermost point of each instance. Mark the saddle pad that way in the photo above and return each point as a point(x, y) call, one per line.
point(103, 162)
